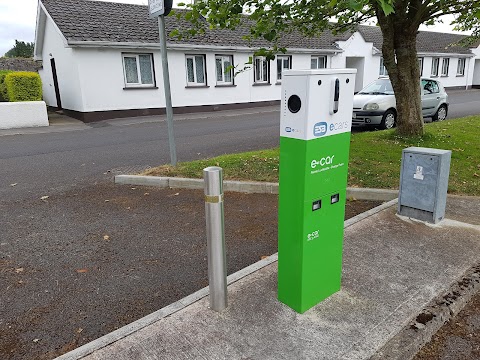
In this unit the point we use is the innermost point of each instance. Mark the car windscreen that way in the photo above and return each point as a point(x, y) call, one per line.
point(378, 87)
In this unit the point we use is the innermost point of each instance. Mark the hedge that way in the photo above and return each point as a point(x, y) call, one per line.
point(3, 88)
point(23, 86)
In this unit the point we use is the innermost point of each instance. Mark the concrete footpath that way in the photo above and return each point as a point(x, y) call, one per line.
point(393, 268)
point(57, 123)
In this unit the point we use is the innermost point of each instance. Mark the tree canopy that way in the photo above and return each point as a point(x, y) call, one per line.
point(21, 49)
point(399, 21)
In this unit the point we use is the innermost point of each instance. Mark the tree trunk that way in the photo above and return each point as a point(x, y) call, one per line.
point(400, 58)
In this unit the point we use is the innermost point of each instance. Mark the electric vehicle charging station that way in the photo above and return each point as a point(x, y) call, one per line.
point(315, 125)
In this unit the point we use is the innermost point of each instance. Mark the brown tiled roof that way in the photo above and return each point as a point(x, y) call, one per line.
point(427, 41)
point(84, 20)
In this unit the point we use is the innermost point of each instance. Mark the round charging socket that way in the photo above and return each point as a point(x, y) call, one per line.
point(294, 104)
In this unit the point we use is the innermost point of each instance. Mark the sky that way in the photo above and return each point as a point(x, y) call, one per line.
point(18, 17)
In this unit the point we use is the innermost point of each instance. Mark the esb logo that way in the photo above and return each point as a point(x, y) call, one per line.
point(320, 129)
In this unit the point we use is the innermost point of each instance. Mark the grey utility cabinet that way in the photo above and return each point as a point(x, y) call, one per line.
point(424, 183)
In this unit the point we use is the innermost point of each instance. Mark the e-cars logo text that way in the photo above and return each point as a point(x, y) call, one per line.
point(320, 129)
point(343, 125)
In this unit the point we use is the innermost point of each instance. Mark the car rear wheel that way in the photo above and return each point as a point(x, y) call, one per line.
point(389, 120)
point(441, 113)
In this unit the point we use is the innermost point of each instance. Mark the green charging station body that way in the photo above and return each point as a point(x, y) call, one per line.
point(316, 119)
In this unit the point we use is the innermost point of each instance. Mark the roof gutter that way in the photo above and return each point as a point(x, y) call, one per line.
point(433, 54)
point(188, 47)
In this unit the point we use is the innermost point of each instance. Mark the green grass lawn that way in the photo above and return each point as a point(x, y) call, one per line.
point(375, 158)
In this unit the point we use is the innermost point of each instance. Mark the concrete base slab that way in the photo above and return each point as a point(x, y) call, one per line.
point(392, 269)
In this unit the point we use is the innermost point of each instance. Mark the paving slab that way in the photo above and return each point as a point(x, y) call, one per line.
point(393, 267)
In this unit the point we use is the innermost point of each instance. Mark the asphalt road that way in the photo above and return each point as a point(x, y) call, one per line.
point(40, 164)
point(463, 103)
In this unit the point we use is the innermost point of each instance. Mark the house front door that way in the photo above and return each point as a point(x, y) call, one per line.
point(55, 83)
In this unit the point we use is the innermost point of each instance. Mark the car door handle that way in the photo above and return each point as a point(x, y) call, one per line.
point(438, 97)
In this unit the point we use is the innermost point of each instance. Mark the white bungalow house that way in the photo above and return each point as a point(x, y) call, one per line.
point(438, 56)
point(102, 60)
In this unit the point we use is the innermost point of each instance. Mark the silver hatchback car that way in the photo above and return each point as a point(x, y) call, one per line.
point(375, 104)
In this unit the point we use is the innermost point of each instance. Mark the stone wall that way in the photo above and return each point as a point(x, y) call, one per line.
point(19, 64)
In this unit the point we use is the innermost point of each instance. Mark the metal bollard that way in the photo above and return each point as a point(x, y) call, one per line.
point(217, 264)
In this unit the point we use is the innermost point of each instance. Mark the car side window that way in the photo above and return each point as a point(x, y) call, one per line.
point(430, 87)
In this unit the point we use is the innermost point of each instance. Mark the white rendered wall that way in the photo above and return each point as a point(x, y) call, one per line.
point(102, 81)
point(23, 114)
point(359, 64)
point(452, 80)
point(356, 47)
point(92, 79)
point(476, 73)
point(67, 72)
point(475, 67)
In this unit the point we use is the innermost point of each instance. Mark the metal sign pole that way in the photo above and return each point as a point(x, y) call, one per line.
point(166, 85)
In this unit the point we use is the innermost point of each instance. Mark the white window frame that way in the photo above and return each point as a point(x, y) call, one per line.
point(382, 69)
point(435, 66)
point(195, 82)
point(445, 66)
point(461, 66)
point(318, 59)
point(262, 76)
point(224, 69)
point(139, 73)
point(420, 65)
point(281, 65)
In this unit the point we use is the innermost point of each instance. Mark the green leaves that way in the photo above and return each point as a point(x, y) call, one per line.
point(268, 53)
point(272, 20)
point(270, 36)
point(21, 49)
point(387, 6)
point(355, 5)
point(332, 3)
point(23, 86)
point(468, 21)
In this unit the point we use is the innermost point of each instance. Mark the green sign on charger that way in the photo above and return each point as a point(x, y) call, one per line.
point(314, 147)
